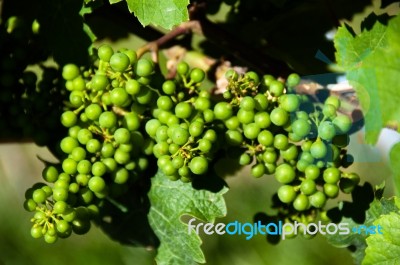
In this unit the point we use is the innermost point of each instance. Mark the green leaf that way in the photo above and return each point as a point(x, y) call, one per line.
point(170, 200)
point(358, 241)
point(384, 249)
point(372, 62)
point(163, 13)
point(395, 165)
point(61, 28)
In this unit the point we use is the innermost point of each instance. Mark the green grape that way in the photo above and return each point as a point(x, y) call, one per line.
point(289, 102)
point(84, 135)
point(144, 67)
point(121, 157)
point(290, 153)
point(245, 116)
point(30, 205)
point(232, 123)
point(182, 68)
point(286, 193)
point(96, 184)
point(180, 136)
point(183, 110)
point(261, 102)
point(251, 131)
point(84, 167)
point(93, 146)
point(258, 170)
point(99, 82)
point(152, 126)
point(93, 111)
point(312, 172)
point(169, 87)
point(334, 101)
point(197, 75)
point(285, 173)
point(204, 145)
point(326, 130)
point(231, 74)
point(69, 166)
point(198, 165)
point(331, 190)
point(165, 103)
point(70, 71)
point(132, 87)
point(245, 159)
point(105, 52)
point(119, 96)
point(68, 119)
point(233, 137)
point(50, 173)
point(131, 121)
point(331, 175)
point(247, 103)
point(62, 226)
point(266, 138)
point(301, 202)
point(301, 127)
point(318, 199)
point(202, 103)
point(308, 187)
point(131, 54)
point(279, 116)
point(36, 231)
point(122, 136)
point(108, 119)
point(293, 80)
point(119, 62)
point(281, 142)
point(318, 149)
point(276, 88)
point(329, 111)
point(342, 124)
point(253, 76)
point(120, 176)
point(262, 119)
point(39, 196)
point(162, 133)
point(60, 207)
point(223, 111)
point(80, 226)
point(270, 157)
point(196, 128)
point(60, 194)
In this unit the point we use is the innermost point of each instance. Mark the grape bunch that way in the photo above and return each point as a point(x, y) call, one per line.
point(31, 98)
point(279, 135)
point(104, 151)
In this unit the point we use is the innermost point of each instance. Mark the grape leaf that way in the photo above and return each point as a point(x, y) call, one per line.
point(355, 241)
point(62, 31)
point(170, 200)
point(384, 249)
point(395, 164)
point(163, 13)
point(371, 60)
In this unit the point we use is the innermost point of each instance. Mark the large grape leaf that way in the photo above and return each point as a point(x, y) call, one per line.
point(372, 63)
point(170, 200)
point(384, 249)
point(395, 165)
point(163, 13)
point(355, 241)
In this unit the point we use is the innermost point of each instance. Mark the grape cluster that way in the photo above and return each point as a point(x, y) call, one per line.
point(31, 98)
point(104, 150)
point(279, 135)
point(182, 126)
